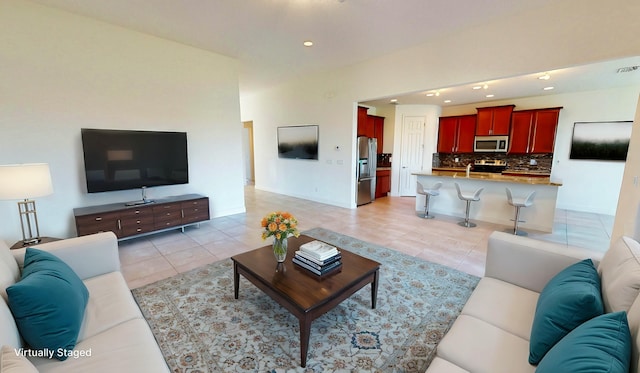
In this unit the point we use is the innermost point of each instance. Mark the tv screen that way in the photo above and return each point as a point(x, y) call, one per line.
point(123, 159)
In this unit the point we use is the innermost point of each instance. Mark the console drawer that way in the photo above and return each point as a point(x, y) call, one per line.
point(137, 212)
point(130, 230)
point(195, 211)
point(96, 223)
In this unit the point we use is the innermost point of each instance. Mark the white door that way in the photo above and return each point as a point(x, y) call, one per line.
point(411, 153)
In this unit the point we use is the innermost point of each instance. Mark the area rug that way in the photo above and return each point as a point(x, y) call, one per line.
point(200, 327)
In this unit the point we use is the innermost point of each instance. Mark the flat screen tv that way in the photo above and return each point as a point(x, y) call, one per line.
point(124, 159)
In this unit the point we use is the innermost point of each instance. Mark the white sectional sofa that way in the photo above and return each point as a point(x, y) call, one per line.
point(113, 332)
point(492, 334)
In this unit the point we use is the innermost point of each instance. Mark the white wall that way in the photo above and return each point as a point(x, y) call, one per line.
point(627, 221)
point(324, 180)
point(552, 36)
point(60, 72)
point(591, 186)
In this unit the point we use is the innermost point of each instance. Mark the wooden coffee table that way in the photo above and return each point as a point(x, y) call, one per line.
point(304, 294)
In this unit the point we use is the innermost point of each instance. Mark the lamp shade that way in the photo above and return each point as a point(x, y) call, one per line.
point(24, 181)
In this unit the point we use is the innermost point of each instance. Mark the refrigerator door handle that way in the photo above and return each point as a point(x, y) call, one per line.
point(372, 154)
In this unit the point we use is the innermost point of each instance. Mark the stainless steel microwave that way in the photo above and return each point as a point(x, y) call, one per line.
point(491, 144)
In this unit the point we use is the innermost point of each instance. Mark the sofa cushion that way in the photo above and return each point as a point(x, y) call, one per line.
point(12, 362)
point(128, 347)
point(480, 347)
point(9, 275)
point(48, 303)
point(9, 334)
point(619, 271)
point(602, 344)
point(9, 271)
point(569, 299)
point(507, 306)
point(439, 365)
point(110, 304)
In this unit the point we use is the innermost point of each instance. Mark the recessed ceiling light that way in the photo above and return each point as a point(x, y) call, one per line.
point(447, 101)
point(430, 94)
point(485, 86)
point(437, 93)
point(476, 87)
point(307, 43)
point(544, 77)
point(548, 88)
point(489, 96)
point(394, 100)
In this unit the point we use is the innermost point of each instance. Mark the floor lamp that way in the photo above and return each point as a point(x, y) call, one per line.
point(24, 182)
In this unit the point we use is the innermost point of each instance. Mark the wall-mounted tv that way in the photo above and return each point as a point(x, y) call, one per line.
point(124, 159)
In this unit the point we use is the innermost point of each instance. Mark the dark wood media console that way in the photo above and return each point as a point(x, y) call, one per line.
point(130, 221)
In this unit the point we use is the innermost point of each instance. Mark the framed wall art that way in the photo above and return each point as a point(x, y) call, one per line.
point(605, 141)
point(298, 142)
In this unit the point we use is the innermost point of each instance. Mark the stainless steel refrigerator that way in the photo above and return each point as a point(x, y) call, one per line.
point(366, 170)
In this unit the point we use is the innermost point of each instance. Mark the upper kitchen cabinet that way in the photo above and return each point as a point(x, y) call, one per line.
point(494, 121)
point(456, 134)
point(378, 130)
point(371, 126)
point(365, 125)
point(533, 131)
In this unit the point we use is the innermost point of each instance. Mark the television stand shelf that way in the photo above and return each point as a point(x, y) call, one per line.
point(133, 221)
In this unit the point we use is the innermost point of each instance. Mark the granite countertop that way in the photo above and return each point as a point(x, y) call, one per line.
point(490, 176)
point(383, 168)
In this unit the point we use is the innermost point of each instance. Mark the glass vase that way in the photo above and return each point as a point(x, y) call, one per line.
point(280, 249)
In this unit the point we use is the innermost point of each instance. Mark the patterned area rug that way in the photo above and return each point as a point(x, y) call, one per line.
point(201, 328)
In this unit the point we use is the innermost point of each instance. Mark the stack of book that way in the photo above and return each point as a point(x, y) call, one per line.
point(318, 257)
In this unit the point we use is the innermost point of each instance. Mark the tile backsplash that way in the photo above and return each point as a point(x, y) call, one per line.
point(515, 162)
point(384, 160)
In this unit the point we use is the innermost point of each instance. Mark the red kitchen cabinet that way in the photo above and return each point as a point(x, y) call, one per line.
point(447, 129)
point(520, 132)
point(494, 121)
point(533, 131)
point(544, 134)
point(365, 124)
point(383, 183)
point(371, 126)
point(456, 134)
point(378, 130)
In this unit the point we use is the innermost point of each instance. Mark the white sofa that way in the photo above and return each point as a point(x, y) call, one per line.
point(492, 333)
point(113, 330)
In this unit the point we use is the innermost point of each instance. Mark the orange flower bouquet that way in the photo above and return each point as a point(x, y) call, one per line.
point(280, 225)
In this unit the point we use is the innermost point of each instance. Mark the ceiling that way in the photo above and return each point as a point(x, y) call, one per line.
point(602, 75)
point(266, 37)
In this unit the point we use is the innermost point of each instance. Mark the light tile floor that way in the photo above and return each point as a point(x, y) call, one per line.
point(389, 221)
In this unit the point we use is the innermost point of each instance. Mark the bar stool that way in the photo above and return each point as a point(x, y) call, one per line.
point(468, 198)
point(428, 193)
point(518, 203)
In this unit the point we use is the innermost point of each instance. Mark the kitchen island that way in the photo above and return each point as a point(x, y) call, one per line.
point(493, 206)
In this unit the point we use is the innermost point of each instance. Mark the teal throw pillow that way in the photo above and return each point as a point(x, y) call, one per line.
point(48, 303)
point(569, 299)
point(602, 344)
